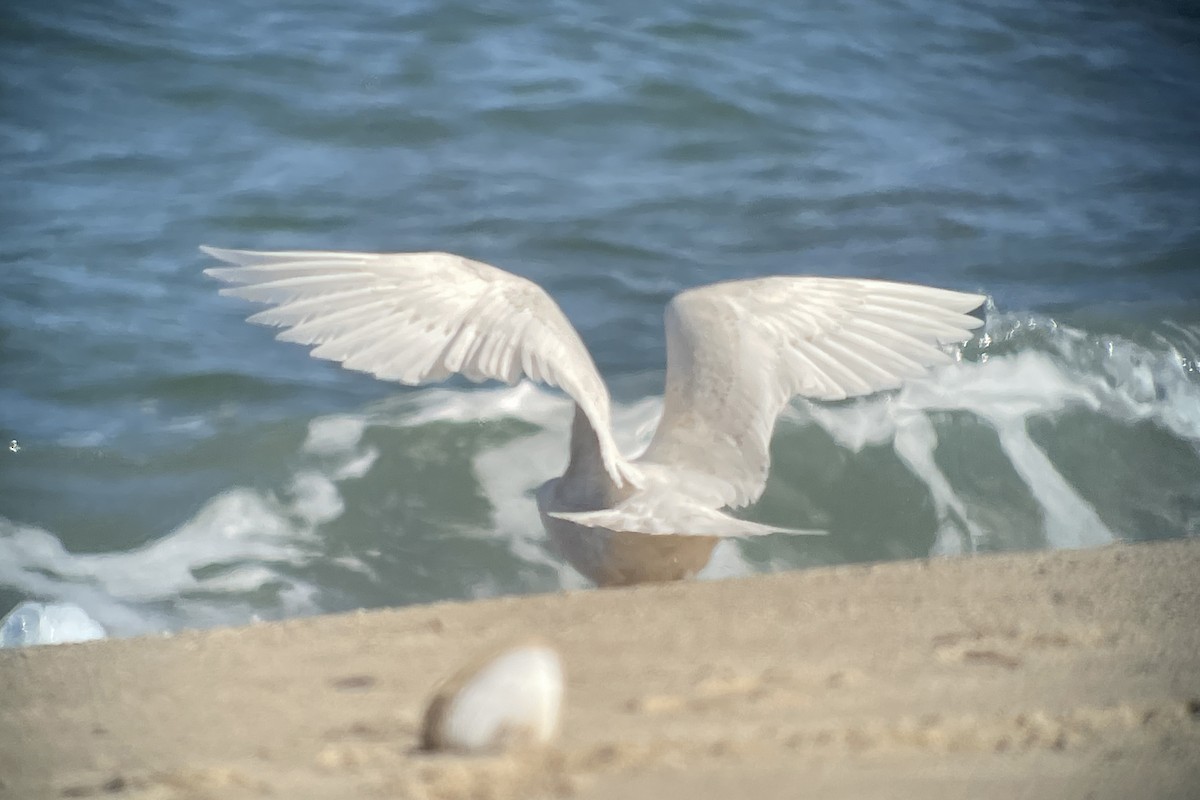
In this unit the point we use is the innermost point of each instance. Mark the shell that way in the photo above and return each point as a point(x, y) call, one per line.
point(502, 700)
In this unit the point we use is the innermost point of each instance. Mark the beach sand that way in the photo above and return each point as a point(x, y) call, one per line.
point(1066, 675)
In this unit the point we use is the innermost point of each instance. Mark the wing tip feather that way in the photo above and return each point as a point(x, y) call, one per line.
point(221, 254)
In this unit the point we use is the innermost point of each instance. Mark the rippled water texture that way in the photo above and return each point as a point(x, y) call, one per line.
point(175, 466)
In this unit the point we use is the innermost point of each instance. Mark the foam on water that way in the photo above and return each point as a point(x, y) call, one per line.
point(212, 569)
point(162, 584)
point(1111, 377)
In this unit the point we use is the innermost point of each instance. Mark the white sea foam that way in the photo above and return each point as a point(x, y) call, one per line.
point(204, 571)
point(315, 498)
point(335, 434)
point(1115, 378)
point(915, 441)
point(163, 584)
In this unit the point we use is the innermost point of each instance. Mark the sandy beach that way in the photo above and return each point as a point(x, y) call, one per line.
point(1067, 674)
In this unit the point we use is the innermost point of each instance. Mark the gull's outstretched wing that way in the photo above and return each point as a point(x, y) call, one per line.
point(737, 352)
point(420, 317)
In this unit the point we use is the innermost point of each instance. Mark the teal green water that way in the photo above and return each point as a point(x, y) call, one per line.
point(175, 467)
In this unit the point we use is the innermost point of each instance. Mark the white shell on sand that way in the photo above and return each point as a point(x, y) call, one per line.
point(507, 698)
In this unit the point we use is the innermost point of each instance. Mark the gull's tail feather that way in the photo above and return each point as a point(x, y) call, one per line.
point(682, 519)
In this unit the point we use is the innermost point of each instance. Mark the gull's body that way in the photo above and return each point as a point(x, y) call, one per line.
point(737, 353)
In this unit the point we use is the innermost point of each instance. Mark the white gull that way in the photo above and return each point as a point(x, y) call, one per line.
point(737, 353)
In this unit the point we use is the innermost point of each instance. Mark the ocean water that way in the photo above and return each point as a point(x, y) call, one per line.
point(172, 466)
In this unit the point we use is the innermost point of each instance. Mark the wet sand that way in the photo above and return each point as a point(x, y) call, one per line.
point(1070, 674)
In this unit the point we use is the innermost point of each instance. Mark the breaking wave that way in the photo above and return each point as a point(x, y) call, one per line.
point(1041, 435)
